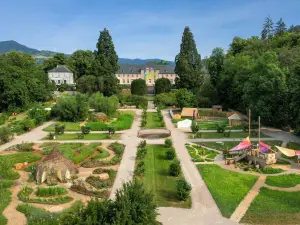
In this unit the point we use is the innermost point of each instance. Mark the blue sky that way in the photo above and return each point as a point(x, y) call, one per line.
point(140, 28)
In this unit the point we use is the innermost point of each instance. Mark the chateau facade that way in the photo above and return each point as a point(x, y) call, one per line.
point(61, 75)
point(150, 72)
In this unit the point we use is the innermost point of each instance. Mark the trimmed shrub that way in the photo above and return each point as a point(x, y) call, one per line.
point(142, 144)
point(140, 168)
point(183, 189)
point(220, 128)
point(138, 87)
point(85, 130)
point(5, 135)
point(195, 127)
point(141, 153)
point(175, 169)
point(168, 143)
point(170, 154)
point(59, 128)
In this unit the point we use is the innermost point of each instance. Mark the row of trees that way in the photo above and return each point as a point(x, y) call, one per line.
point(260, 73)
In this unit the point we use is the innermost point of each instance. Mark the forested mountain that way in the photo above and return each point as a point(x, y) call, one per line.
point(261, 74)
point(40, 55)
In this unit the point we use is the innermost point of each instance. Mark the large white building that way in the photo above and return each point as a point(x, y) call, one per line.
point(61, 75)
point(150, 72)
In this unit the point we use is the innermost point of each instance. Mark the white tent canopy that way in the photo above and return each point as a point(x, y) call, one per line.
point(184, 124)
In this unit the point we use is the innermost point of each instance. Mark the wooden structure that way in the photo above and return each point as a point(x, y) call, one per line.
point(190, 112)
point(235, 120)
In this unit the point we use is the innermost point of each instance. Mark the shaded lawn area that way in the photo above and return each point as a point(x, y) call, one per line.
point(227, 145)
point(153, 121)
point(157, 179)
point(90, 136)
point(69, 126)
point(222, 135)
point(123, 122)
point(285, 180)
point(274, 207)
point(226, 187)
point(293, 145)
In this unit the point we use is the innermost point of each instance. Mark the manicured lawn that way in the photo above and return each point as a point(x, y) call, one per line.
point(285, 181)
point(153, 121)
point(274, 207)
point(69, 126)
point(91, 136)
point(21, 157)
point(293, 145)
point(201, 155)
point(211, 124)
point(123, 122)
point(226, 187)
point(157, 179)
point(222, 135)
point(227, 145)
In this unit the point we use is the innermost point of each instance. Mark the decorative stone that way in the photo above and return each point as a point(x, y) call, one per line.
point(104, 176)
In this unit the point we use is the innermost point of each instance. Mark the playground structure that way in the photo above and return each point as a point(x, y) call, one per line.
point(260, 156)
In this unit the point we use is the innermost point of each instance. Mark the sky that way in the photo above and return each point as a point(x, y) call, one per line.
point(139, 28)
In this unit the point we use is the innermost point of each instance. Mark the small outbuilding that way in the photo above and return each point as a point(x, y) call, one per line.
point(184, 124)
point(55, 167)
point(235, 120)
point(190, 112)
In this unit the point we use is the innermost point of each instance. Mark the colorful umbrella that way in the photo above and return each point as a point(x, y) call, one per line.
point(263, 147)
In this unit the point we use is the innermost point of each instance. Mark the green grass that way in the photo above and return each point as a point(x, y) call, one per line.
point(230, 144)
point(50, 191)
point(227, 188)
point(221, 135)
point(21, 157)
point(211, 124)
point(150, 97)
point(201, 155)
point(123, 122)
point(285, 181)
point(274, 207)
point(102, 154)
point(5, 197)
point(157, 179)
point(293, 145)
point(69, 126)
point(77, 152)
point(153, 121)
point(91, 136)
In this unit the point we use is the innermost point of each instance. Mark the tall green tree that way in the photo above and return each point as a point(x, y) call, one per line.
point(58, 59)
point(215, 65)
point(138, 87)
point(268, 29)
point(188, 63)
point(106, 58)
point(81, 63)
point(280, 27)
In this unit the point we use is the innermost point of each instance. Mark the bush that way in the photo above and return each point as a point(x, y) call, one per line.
point(170, 154)
point(183, 189)
point(133, 100)
point(116, 147)
point(138, 87)
point(25, 147)
point(111, 130)
point(5, 135)
point(220, 128)
point(142, 144)
point(85, 130)
point(98, 183)
point(168, 143)
point(107, 105)
point(175, 169)
point(39, 114)
point(50, 136)
point(166, 99)
point(162, 85)
point(141, 153)
point(80, 136)
point(3, 118)
point(227, 134)
point(59, 128)
point(71, 108)
point(140, 168)
point(198, 135)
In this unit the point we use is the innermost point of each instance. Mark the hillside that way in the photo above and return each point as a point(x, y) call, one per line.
point(40, 55)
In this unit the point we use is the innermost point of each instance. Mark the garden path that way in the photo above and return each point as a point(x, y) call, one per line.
point(228, 139)
point(130, 140)
point(204, 209)
point(245, 203)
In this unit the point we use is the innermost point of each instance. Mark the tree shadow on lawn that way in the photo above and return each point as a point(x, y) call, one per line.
point(168, 195)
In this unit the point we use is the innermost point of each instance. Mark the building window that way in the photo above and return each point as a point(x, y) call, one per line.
point(128, 81)
point(65, 82)
point(149, 81)
point(58, 81)
point(123, 81)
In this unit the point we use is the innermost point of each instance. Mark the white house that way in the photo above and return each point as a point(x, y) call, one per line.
point(61, 75)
